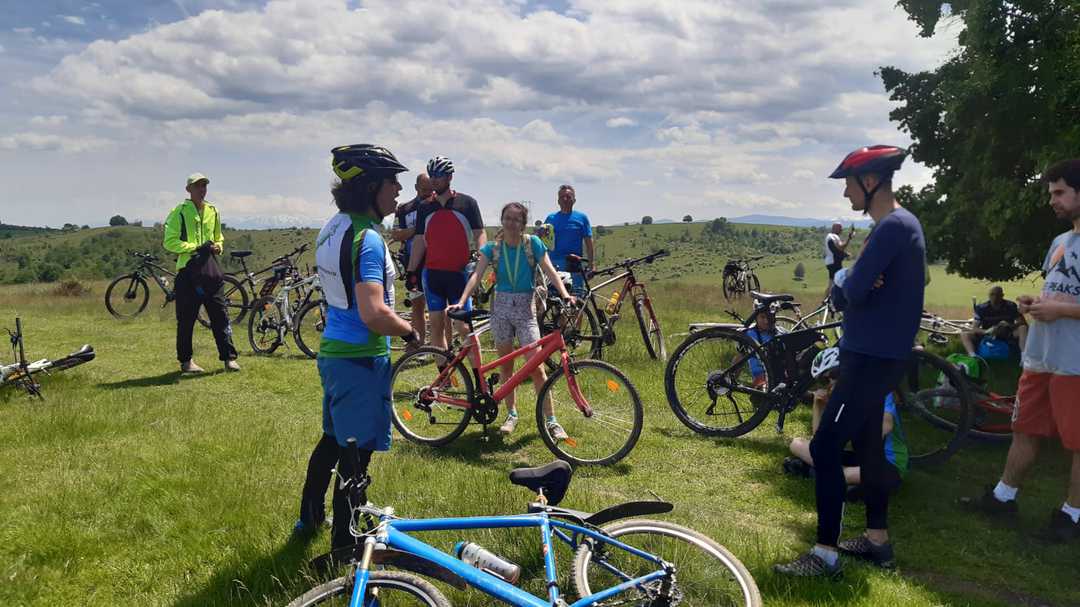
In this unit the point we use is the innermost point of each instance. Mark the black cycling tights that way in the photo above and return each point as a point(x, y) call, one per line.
point(855, 413)
point(324, 458)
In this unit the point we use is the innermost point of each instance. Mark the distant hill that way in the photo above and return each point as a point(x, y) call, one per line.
point(799, 222)
point(13, 231)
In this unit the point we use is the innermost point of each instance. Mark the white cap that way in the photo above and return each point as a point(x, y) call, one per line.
point(197, 177)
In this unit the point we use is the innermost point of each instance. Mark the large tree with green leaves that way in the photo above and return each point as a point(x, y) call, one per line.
point(988, 121)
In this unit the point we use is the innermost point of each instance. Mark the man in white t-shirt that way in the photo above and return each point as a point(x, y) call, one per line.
point(836, 251)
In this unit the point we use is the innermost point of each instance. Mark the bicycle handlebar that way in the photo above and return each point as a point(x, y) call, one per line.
point(629, 263)
point(295, 252)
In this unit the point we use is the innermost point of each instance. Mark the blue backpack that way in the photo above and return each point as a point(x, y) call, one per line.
point(993, 349)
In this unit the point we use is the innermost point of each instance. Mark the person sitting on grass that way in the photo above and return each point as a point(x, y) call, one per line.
point(996, 316)
point(516, 257)
point(801, 463)
point(762, 332)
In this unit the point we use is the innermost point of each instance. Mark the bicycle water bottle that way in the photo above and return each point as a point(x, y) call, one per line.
point(484, 560)
point(613, 303)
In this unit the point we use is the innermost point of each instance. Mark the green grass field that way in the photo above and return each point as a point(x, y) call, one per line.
point(132, 485)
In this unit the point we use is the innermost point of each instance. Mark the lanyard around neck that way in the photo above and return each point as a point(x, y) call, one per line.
point(512, 266)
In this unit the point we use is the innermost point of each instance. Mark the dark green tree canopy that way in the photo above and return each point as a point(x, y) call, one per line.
point(988, 122)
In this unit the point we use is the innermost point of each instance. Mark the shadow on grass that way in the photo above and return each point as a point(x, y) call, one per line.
point(165, 379)
point(256, 578)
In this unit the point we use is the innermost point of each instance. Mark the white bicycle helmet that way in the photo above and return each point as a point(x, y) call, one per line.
point(827, 359)
point(440, 166)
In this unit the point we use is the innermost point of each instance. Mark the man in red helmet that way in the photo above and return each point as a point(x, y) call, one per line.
point(882, 299)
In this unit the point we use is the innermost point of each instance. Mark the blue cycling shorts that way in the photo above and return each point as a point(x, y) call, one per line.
point(443, 288)
point(356, 400)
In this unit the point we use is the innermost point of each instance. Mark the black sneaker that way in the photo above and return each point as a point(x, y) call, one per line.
point(1061, 528)
point(861, 547)
point(992, 506)
point(796, 467)
point(810, 565)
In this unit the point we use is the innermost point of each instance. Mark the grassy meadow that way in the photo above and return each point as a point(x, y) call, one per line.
point(132, 485)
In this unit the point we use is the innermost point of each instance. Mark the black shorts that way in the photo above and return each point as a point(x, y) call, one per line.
point(833, 269)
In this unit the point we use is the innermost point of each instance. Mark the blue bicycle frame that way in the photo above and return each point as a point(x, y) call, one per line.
point(393, 533)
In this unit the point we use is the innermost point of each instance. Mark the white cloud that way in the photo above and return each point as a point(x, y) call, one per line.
point(620, 121)
point(23, 30)
point(51, 121)
point(73, 19)
point(51, 142)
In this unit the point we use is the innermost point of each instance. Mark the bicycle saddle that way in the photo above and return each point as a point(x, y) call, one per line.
point(553, 478)
point(240, 254)
point(469, 315)
point(768, 298)
point(87, 349)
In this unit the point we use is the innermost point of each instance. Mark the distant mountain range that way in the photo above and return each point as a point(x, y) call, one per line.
point(801, 222)
point(266, 222)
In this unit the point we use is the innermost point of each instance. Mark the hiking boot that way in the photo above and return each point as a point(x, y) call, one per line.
point(508, 426)
point(232, 365)
point(1061, 528)
point(809, 565)
point(557, 432)
point(796, 467)
point(991, 506)
point(861, 547)
point(191, 368)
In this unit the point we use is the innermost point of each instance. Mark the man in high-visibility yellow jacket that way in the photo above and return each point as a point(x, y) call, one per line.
point(195, 223)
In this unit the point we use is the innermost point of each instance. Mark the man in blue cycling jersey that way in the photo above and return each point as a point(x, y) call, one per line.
point(357, 277)
point(882, 299)
point(573, 234)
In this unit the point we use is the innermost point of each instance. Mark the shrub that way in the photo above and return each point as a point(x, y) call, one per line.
point(71, 288)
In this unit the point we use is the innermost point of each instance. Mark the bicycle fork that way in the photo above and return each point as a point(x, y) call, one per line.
point(363, 572)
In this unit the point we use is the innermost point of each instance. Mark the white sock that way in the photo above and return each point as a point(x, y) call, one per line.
point(1005, 493)
point(1074, 513)
point(829, 556)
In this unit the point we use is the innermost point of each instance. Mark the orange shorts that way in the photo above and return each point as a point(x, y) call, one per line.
point(1049, 405)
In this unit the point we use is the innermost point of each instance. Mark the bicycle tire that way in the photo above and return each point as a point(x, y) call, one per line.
point(406, 584)
point(686, 381)
point(651, 333)
point(588, 445)
point(945, 327)
point(752, 282)
point(785, 324)
point(935, 406)
point(729, 284)
point(706, 572)
point(136, 291)
point(577, 339)
point(231, 290)
point(310, 344)
point(405, 393)
point(264, 335)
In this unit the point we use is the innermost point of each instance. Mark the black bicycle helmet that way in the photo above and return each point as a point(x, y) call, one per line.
point(882, 160)
point(365, 161)
point(440, 166)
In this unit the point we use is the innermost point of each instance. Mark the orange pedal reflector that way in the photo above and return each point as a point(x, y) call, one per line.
point(570, 442)
point(611, 385)
point(406, 414)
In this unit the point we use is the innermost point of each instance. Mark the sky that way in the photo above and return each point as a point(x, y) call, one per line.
point(660, 107)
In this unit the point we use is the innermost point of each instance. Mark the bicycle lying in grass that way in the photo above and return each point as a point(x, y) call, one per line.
point(593, 325)
point(435, 397)
point(721, 382)
point(128, 295)
point(21, 373)
point(618, 560)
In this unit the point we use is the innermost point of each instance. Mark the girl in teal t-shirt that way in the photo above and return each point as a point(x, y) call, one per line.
point(512, 313)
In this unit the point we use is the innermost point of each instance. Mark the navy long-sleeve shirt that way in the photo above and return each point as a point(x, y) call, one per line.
point(882, 322)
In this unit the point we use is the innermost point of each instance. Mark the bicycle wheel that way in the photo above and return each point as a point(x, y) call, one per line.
point(583, 340)
point(730, 285)
point(650, 328)
point(752, 282)
point(785, 324)
point(710, 383)
point(934, 407)
point(265, 326)
point(127, 296)
point(991, 415)
point(384, 589)
point(611, 427)
point(237, 302)
point(936, 324)
point(310, 322)
point(706, 573)
point(417, 416)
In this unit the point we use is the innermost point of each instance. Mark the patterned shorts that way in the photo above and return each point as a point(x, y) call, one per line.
point(513, 315)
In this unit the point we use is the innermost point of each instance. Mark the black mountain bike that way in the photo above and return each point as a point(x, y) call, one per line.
point(128, 295)
point(245, 288)
point(721, 382)
point(21, 372)
point(592, 325)
point(739, 277)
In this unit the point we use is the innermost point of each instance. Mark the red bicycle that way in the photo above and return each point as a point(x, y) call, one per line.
point(435, 397)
